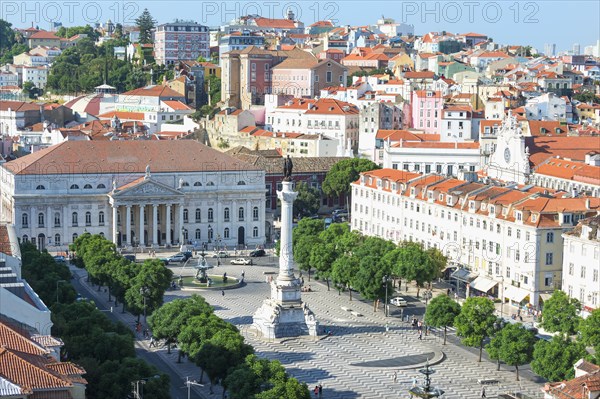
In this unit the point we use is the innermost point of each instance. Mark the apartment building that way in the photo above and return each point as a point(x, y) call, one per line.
point(181, 41)
point(506, 242)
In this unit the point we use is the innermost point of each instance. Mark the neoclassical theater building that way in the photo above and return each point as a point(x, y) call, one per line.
point(136, 193)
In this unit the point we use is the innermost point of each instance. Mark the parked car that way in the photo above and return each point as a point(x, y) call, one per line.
point(221, 254)
point(258, 252)
point(328, 222)
point(60, 259)
point(187, 254)
point(165, 261)
point(241, 261)
point(178, 258)
point(337, 211)
point(398, 301)
point(130, 258)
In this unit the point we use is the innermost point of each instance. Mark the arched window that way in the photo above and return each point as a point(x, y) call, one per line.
point(198, 234)
point(549, 85)
point(198, 215)
point(100, 186)
point(210, 183)
point(255, 213)
point(255, 232)
point(88, 218)
point(185, 234)
point(40, 187)
point(210, 215)
point(226, 214)
point(565, 86)
point(74, 221)
point(241, 183)
point(24, 220)
point(74, 187)
point(41, 219)
point(185, 184)
point(226, 233)
point(197, 184)
point(101, 234)
point(74, 236)
point(56, 219)
point(25, 238)
point(87, 186)
point(241, 214)
point(101, 218)
point(185, 216)
point(57, 239)
point(210, 234)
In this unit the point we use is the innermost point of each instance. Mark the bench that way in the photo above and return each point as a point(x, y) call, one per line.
point(265, 273)
point(354, 313)
point(488, 381)
point(346, 309)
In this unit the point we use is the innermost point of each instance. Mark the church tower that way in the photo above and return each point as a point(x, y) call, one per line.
point(510, 160)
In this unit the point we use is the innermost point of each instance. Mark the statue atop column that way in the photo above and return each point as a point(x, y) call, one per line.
point(147, 172)
point(287, 168)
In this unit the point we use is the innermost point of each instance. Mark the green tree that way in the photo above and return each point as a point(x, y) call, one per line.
point(411, 262)
point(145, 24)
point(302, 251)
point(118, 32)
point(148, 287)
point(307, 202)
point(554, 360)
point(372, 269)
point(7, 36)
point(513, 344)
point(168, 320)
point(560, 313)
point(587, 96)
point(441, 312)
point(307, 227)
point(590, 332)
point(214, 90)
point(343, 173)
point(343, 270)
point(475, 322)
point(332, 244)
point(224, 350)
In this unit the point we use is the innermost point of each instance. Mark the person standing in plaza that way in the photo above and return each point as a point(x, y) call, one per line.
point(483, 395)
point(320, 390)
point(395, 377)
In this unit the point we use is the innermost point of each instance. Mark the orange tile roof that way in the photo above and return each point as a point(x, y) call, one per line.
point(274, 23)
point(331, 106)
point(154, 91)
point(10, 338)
point(123, 115)
point(177, 105)
point(5, 244)
point(549, 128)
point(42, 34)
point(493, 54)
point(573, 147)
point(438, 144)
point(419, 75)
point(19, 106)
point(133, 156)
point(577, 388)
point(30, 372)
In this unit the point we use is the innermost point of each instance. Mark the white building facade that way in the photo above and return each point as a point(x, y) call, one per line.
point(510, 239)
point(581, 264)
point(146, 193)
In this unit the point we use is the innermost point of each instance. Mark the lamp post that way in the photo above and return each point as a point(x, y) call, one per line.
point(498, 325)
point(210, 234)
point(385, 305)
point(189, 384)
point(144, 291)
point(181, 236)
point(502, 300)
point(58, 282)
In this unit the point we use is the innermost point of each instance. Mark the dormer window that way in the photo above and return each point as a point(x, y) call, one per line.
point(450, 201)
point(492, 209)
point(471, 204)
point(394, 186)
point(534, 218)
point(441, 197)
point(504, 211)
point(519, 215)
point(412, 191)
point(430, 195)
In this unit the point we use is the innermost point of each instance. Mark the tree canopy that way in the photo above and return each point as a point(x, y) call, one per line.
point(554, 360)
point(513, 344)
point(307, 202)
point(561, 314)
point(590, 332)
point(145, 24)
point(441, 312)
point(342, 174)
point(475, 322)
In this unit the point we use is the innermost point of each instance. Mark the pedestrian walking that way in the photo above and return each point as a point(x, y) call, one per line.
point(414, 382)
point(483, 395)
point(145, 333)
point(421, 335)
point(395, 377)
point(320, 390)
point(316, 391)
point(223, 292)
point(152, 342)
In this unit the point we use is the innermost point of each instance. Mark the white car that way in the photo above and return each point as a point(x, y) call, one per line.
point(398, 301)
point(241, 261)
point(221, 254)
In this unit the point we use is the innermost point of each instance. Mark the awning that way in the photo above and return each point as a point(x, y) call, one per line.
point(464, 275)
point(515, 293)
point(483, 284)
point(545, 297)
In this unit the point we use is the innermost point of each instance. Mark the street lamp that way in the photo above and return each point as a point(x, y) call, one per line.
point(189, 384)
point(209, 234)
point(385, 305)
point(502, 300)
point(58, 282)
point(144, 291)
point(498, 325)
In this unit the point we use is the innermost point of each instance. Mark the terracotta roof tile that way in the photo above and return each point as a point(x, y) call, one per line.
point(125, 157)
point(154, 91)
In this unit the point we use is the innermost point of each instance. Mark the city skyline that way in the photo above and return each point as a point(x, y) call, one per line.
point(506, 23)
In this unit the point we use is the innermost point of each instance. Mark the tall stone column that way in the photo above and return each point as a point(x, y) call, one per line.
point(114, 224)
point(181, 227)
point(141, 226)
point(286, 254)
point(154, 225)
point(168, 224)
point(128, 225)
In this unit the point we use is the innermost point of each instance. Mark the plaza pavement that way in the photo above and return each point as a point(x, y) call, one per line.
point(357, 361)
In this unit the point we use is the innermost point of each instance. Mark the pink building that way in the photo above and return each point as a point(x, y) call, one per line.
point(427, 111)
point(180, 41)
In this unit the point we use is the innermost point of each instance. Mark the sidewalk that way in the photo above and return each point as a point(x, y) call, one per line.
point(184, 369)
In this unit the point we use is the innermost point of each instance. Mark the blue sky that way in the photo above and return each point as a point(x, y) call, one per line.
point(507, 22)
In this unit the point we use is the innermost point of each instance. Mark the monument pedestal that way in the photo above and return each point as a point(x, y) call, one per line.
point(284, 314)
